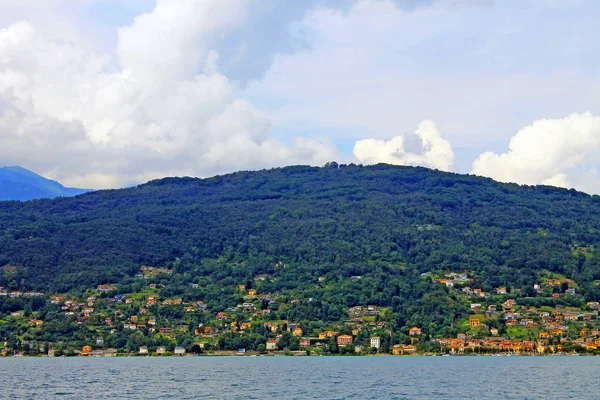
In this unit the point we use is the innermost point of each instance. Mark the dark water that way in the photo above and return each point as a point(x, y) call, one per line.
point(302, 378)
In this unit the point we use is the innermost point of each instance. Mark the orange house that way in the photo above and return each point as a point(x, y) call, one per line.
point(86, 351)
point(414, 331)
point(344, 340)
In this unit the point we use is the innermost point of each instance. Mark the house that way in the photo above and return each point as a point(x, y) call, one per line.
point(164, 330)
point(358, 349)
point(570, 292)
point(501, 290)
point(106, 288)
point(271, 344)
point(344, 340)
point(143, 350)
point(376, 342)
point(161, 350)
point(414, 331)
point(252, 292)
point(86, 351)
point(99, 341)
point(179, 351)
point(508, 304)
point(297, 331)
point(36, 322)
point(475, 306)
point(221, 316)
point(474, 322)
point(409, 349)
point(594, 305)
point(397, 350)
point(304, 342)
point(494, 331)
point(461, 336)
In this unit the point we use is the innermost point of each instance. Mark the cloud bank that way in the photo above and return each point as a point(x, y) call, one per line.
point(158, 106)
point(199, 87)
point(425, 147)
point(558, 152)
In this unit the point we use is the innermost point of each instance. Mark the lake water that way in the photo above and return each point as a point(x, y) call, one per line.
point(301, 378)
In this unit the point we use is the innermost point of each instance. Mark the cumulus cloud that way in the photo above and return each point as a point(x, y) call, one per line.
point(166, 109)
point(558, 152)
point(424, 147)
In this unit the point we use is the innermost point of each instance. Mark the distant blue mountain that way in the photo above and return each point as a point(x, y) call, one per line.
point(17, 183)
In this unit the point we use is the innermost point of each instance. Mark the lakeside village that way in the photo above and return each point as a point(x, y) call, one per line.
point(104, 322)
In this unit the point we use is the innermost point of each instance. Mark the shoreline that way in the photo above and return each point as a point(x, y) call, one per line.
point(229, 354)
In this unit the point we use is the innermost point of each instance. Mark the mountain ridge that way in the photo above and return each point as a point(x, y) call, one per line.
point(18, 183)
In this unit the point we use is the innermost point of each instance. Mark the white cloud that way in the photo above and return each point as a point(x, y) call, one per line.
point(167, 110)
point(558, 152)
point(479, 72)
point(425, 147)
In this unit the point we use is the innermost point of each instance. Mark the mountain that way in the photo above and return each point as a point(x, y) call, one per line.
point(343, 217)
point(314, 242)
point(18, 183)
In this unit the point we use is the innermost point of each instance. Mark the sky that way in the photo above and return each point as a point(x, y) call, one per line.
point(110, 93)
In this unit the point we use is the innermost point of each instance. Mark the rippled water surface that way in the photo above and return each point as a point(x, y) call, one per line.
point(302, 378)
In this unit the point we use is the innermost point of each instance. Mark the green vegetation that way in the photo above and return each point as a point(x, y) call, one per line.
point(313, 242)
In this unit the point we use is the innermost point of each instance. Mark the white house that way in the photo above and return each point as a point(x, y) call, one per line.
point(376, 342)
point(271, 345)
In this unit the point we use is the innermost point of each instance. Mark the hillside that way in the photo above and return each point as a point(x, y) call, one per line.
point(314, 242)
point(17, 183)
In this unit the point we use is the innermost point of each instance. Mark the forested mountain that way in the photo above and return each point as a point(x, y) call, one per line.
point(314, 242)
point(17, 183)
point(350, 220)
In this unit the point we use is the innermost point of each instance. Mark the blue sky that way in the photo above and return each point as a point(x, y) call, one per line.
point(108, 93)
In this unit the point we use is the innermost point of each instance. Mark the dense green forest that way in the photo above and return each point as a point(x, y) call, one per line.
point(349, 220)
point(374, 234)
